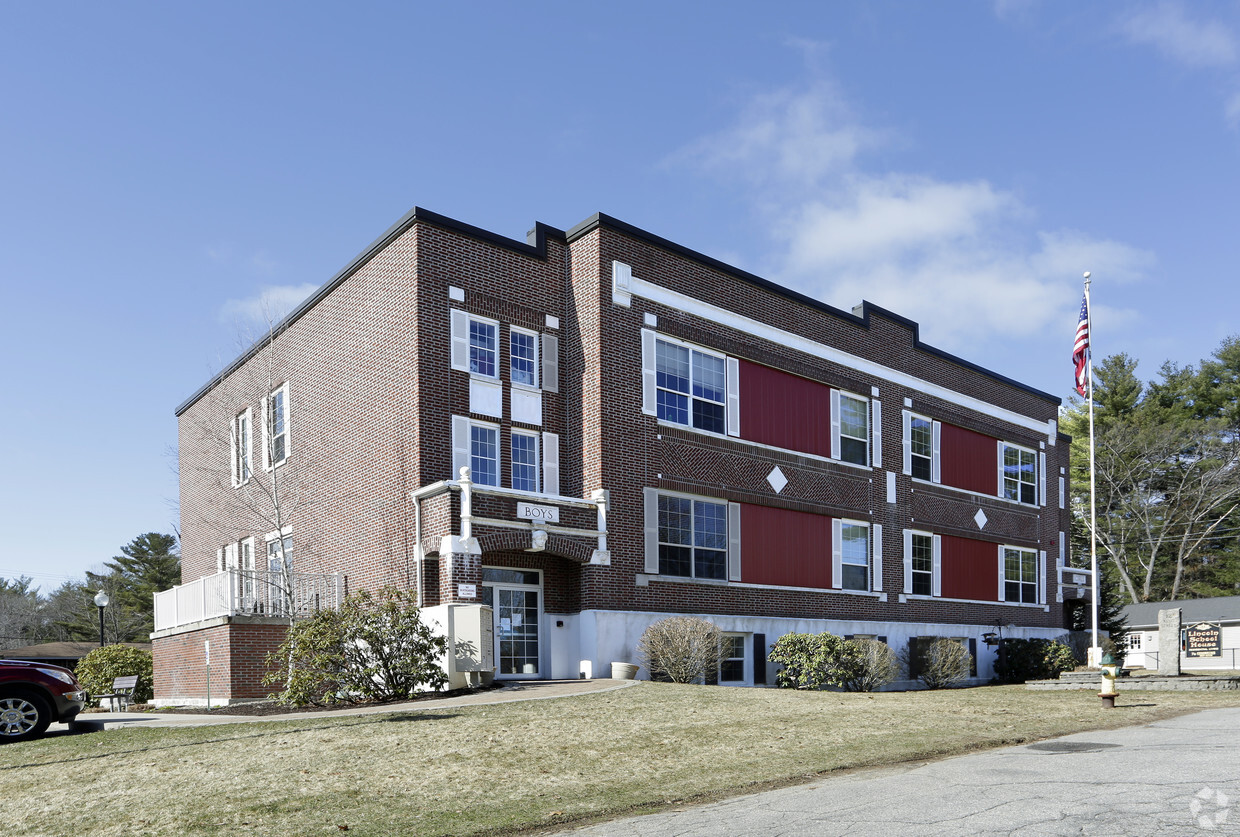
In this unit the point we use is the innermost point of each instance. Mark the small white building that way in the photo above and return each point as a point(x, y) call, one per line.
point(1222, 613)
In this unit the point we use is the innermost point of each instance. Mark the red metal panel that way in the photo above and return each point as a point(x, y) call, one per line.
point(785, 410)
point(970, 569)
point(968, 460)
point(779, 546)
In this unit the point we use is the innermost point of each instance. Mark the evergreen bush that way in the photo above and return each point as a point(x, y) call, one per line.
point(100, 667)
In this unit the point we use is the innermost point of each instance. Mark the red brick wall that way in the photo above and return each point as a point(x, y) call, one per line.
point(238, 662)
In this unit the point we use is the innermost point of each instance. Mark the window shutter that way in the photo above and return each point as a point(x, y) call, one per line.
point(266, 434)
point(551, 463)
point(550, 363)
point(734, 541)
point(288, 422)
point(232, 446)
point(973, 656)
point(999, 473)
point(734, 397)
point(230, 557)
point(877, 561)
point(835, 424)
point(460, 446)
point(907, 436)
point(650, 499)
point(460, 340)
point(759, 659)
point(1042, 479)
point(1041, 576)
point(936, 580)
point(1061, 494)
point(837, 553)
point(1063, 558)
point(1002, 571)
point(876, 429)
point(936, 433)
point(649, 396)
point(908, 561)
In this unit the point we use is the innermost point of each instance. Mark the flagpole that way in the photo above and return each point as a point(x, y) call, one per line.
point(1095, 650)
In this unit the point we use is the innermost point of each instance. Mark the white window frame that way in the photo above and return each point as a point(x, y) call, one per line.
point(512, 453)
point(1004, 549)
point(242, 439)
point(462, 348)
point(693, 546)
point(928, 538)
point(1004, 479)
point(650, 500)
point(269, 436)
point(744, 641)
point(728, 392)
point(513, 331)
point(837, 554)
point(837, 427)
point(499, 455)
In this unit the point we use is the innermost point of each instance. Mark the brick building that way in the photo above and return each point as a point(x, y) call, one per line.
point(647, 431)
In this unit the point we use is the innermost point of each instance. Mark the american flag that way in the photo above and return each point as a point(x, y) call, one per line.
point(1080, 349)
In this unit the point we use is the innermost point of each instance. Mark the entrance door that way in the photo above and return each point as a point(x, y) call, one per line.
point(513, 596)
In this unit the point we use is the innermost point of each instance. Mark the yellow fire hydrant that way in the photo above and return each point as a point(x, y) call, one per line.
point(1110, 670)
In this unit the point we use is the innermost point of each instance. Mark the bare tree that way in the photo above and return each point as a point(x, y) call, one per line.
point(1164, 489)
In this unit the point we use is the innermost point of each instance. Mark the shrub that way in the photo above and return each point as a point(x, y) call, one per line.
point(100, 667)
point(683, 649)
point(375, 647)
point(816, 661)
point(1032, 659)
point(938, 663)
point(878, 666)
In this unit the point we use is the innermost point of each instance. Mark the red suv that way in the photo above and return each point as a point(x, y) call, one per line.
point(32, 695)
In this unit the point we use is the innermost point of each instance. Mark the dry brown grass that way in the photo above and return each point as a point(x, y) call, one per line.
point(519, 765)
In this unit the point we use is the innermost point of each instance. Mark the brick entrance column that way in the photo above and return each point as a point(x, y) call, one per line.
point(460, 563)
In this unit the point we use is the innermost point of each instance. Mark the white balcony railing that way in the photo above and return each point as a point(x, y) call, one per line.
point(247, 593)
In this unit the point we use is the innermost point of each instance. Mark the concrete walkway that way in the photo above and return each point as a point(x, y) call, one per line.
point(1175, 777)
point(522, 690)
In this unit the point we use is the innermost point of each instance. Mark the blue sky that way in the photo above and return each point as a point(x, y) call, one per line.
point(166, 167)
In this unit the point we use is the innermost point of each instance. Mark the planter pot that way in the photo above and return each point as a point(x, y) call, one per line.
point(623, 671)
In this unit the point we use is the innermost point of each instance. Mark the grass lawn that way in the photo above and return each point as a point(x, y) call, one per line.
point(515, 766)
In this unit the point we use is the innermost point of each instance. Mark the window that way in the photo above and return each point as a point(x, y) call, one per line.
point(923, 565)
point(484, 454)
point(1020, 475)
point(854, 430)
point(693, 538)
point(855, 556)
point(275, 427)
point(921, 447)
point(524, 461)
point(279, 549)
point(241, 447)
point(691, 387)
point(732, 658)
point(482, 347)
point(1020, 575)
point(523, 357)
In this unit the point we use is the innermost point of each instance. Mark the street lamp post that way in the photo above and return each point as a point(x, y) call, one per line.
point(101, 601)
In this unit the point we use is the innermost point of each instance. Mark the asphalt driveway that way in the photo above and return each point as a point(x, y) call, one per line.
point(1174, 777)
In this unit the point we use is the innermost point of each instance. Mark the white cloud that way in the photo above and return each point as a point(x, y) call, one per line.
point(964, 258)
point(786, 137)
point(1167, 28)
point(1231, 110)
point(269, 306)
point(892, 216)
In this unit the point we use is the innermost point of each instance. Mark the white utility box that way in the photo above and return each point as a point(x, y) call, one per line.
point(470, 630)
